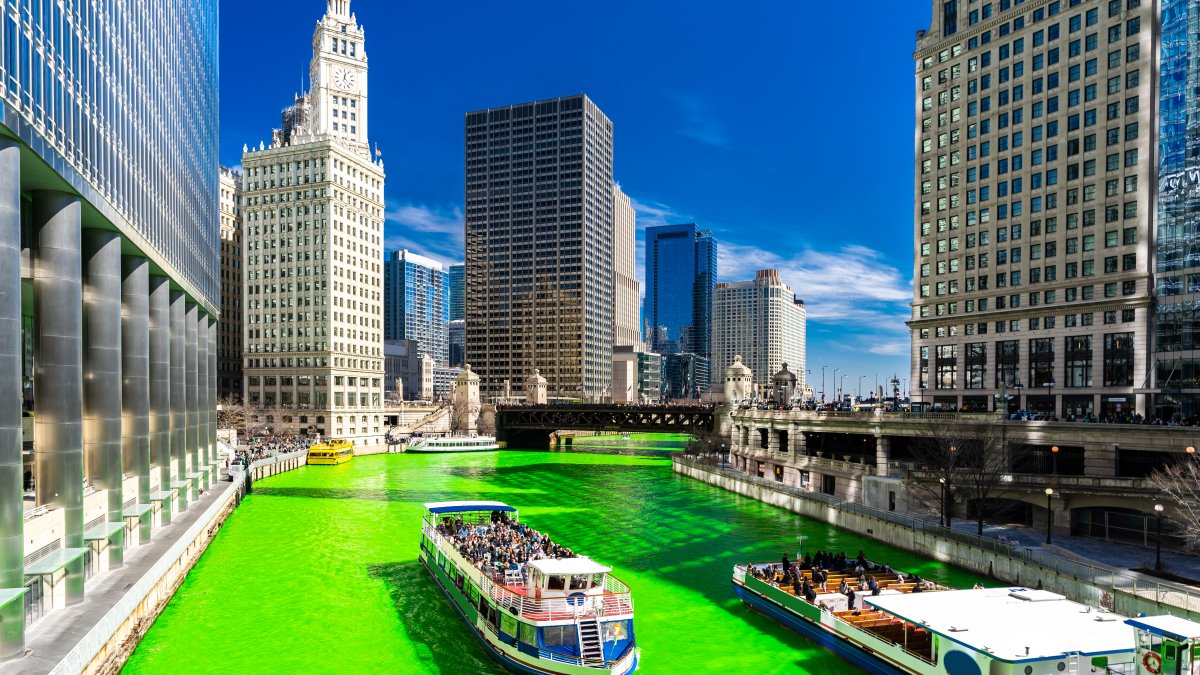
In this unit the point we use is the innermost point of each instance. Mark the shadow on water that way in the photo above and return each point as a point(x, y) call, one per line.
point(443, 638)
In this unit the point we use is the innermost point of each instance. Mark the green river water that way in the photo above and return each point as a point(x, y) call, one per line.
point(317, 570)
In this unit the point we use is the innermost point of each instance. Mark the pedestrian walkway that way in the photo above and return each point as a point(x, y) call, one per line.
point(1098, 551)
point(50, 640)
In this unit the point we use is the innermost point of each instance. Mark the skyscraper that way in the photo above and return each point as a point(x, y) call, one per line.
point(229, 329)
point(1176, 365)
point(313, 237)
point(1034, 175)
point(457, 288)
point(109, 231)
point(763, 322)
point(681, 268)
point(415, 305)
point(539, 289)
point(626, 289)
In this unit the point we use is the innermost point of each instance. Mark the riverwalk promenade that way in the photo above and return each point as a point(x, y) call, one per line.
point(98, 634)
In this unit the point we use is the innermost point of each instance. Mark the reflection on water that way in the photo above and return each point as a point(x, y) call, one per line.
point(317, 571)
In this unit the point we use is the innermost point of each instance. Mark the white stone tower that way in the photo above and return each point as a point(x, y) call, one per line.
point(535, 388)
point(739, 381)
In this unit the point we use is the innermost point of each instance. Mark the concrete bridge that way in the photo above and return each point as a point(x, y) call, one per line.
point(530, 426)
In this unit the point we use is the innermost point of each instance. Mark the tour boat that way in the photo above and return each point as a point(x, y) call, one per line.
point(994, 631)
point(545, 615)
point(452, 444)
point(333, 451)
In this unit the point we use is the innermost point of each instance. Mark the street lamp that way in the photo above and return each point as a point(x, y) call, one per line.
point(836, 392)
point(1158, 509)
point(943, 482)
point(1018, 386)
point(823, 384)
point(1054, 455)
point(1050, 393)
point(1049, 514)
point(1191, 451)
point(860, 379)
point(842, 388)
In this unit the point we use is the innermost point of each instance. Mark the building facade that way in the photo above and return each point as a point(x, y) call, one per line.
point(762, 321)
point(1034, 180)
point(685, 375)
point(415, 302)
point(681, 268)
point(109, 283)
point(402, 370)
point(1176, 365)
point(313, 244)
point(457, 332)
point(229, 330)
point(627, 292)
point(539, 249)
point(458, 280)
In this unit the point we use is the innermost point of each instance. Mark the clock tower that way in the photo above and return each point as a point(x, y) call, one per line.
point(339, 75)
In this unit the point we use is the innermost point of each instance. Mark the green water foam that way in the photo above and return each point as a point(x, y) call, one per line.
point(317, 570)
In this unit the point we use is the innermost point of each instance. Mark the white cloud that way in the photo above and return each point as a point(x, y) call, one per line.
point(700, 122)
point(436, 232)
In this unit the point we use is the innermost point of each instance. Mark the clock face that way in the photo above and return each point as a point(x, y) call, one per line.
point(343, 79)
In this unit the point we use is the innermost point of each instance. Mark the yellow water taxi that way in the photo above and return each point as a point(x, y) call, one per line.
point(333, 451)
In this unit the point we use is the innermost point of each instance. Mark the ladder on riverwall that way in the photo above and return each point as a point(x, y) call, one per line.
point(590, 648)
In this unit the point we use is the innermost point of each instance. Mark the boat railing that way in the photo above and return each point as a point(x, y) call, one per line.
point(615, 601)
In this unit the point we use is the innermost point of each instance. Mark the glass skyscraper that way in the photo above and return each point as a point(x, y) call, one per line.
point(415, 303)
point(109, 282)
point(458, 310)
point(681, 268)
point(1177, 327)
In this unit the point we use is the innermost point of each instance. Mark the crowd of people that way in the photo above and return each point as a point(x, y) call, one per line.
point(500, 544)
point(790, 574)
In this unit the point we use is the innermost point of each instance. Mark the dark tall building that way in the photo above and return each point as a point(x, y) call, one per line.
point(681, 268)
point(457, 281)
point(539, 270)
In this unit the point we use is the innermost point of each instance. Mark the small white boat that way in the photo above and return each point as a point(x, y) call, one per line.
point(452, 444)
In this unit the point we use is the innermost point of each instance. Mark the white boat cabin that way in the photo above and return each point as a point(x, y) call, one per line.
point(1169, 645)
point(565, 577)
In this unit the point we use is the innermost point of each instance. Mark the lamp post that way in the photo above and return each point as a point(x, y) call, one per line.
point(1018, 386)
point(860, 379)
point(835, 384)
point(1158, 510)
point(822, 384)
point(842, 389)
point(1050, 393)
point(943, 482)
point(1054, 458)
point(1049, 513)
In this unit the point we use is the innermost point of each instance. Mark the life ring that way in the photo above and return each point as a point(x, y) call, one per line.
point(1153, 662)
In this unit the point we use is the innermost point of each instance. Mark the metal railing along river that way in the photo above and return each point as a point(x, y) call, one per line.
point(1101, 576)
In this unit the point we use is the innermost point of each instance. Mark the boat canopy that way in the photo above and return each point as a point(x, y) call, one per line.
point(460, 507)
point(566, 566)
point(1173, 627)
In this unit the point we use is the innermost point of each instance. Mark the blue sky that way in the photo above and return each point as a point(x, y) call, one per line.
point(786, 128)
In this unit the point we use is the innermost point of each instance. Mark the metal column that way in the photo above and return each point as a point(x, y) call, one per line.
point(200, 466)
point(102, 376)
point(135, 372)
point(58, 369)
point(160, 387)
point(12, 507)
point(178, 395)
point(191, 355)
point(211, 393)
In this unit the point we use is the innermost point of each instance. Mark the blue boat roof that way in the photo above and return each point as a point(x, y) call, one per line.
point(459, 507)
point(1173, 627)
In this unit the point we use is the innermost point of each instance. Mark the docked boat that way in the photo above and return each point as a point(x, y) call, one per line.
point(539, 615)
point(997, 631)
point(333, 451)
point(452, 444)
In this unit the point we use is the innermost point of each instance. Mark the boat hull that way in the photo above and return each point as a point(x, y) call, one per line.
point(818, 633)
point(329, 461)
point(500, 655)
point(435, 449)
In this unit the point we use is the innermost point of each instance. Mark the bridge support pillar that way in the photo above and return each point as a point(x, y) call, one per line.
point(883, 454)
point(1100, 459)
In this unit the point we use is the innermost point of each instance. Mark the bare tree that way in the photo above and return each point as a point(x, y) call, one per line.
point(966, 454)
point(460, 416)
point(231, 414)
point(484, 425)
point(1180, 482)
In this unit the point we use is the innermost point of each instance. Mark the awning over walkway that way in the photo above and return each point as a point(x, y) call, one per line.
point(55, 561)
point(103, 531)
